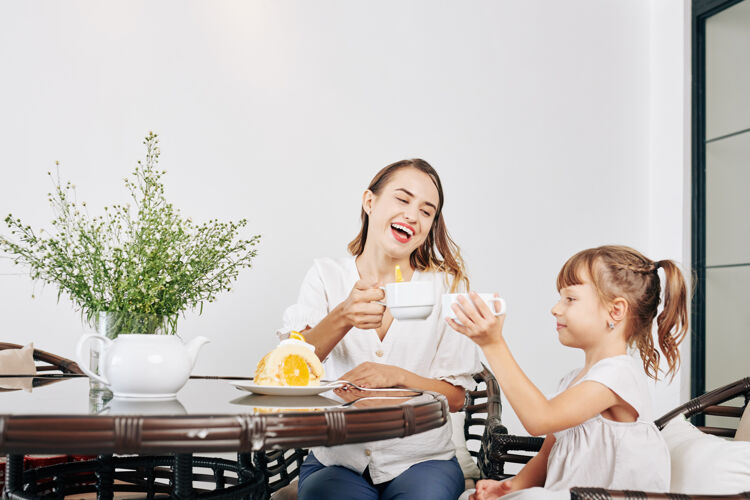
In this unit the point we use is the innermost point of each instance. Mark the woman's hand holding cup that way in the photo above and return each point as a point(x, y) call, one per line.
point(361, 309)
point(475, 318)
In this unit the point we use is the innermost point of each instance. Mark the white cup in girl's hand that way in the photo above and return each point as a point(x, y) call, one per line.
point(496, 304)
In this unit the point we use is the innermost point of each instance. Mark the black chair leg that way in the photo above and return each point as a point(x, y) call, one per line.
point(246, 473)
point(183, 476)
point(105, 477)
point(13, 475)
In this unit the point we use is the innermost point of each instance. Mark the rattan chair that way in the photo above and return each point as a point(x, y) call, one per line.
point(151, 476)
point(282, 466)
point(48, 362)
point(501, 448)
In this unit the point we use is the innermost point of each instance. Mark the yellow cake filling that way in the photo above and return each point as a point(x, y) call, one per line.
point(292, 363)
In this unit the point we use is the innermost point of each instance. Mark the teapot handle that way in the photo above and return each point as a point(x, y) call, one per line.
point(83, 362)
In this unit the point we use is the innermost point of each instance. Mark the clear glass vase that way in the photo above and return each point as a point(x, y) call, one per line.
point(111, 324)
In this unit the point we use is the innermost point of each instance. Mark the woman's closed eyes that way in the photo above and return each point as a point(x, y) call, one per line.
point(426, 213)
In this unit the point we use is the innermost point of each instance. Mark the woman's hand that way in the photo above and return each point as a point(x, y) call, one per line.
point(489, 489)
point(360, 309)
point(372, 399)
point(479, 323)
point(375, 375)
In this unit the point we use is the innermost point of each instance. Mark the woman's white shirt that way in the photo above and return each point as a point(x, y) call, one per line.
point(429, 348)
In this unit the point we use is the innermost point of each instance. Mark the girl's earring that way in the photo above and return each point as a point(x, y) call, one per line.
point(611, 325)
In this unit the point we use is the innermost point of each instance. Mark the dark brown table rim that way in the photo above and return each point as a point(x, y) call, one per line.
point(50, 432)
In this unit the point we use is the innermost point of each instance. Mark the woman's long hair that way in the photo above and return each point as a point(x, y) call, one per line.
point(438, 252)
point(620, 271)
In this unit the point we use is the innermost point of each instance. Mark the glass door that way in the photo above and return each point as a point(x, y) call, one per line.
point(721, 211)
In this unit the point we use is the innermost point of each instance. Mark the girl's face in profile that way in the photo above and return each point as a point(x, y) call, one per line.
point(581, 316)
point(401, 216)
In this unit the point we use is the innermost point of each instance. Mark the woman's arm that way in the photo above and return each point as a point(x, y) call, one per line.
point(326, 334)
point(361, 310)
point(374, 375)
point(456, 395)
point(358, 310)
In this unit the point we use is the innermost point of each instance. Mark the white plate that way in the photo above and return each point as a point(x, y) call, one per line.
point(274, 390)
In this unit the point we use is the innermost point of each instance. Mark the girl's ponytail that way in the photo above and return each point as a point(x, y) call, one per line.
point(672, 323)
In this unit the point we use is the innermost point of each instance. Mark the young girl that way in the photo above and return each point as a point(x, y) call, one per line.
point(599, 426)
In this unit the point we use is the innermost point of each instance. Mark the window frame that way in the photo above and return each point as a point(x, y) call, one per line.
point(702, 10)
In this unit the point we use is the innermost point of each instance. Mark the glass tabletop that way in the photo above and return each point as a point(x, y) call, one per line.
point(71, 395)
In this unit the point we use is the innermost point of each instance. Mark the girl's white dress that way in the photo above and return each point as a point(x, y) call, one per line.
point(603, 453)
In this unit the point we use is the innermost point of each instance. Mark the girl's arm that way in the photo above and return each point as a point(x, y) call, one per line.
point(537, 414)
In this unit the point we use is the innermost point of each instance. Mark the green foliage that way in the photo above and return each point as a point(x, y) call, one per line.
point(144, 259)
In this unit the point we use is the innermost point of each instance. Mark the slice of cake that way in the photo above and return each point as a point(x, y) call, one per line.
point(292, 363)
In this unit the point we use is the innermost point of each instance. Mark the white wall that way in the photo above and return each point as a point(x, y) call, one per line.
point(537, 115)
point(670, 160)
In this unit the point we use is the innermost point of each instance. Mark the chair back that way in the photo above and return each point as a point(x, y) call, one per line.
point(712, 403)
point(48, 362)
point(484, 403)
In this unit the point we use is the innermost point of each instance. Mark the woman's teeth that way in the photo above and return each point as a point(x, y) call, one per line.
point(404, 229)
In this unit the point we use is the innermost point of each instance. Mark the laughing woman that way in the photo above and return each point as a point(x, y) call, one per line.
point(358, 340)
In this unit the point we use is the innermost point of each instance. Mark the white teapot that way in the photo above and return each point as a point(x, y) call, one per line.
point(142, 365)
point(141, 406)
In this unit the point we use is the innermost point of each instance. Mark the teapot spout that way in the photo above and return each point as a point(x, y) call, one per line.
point(193, 347)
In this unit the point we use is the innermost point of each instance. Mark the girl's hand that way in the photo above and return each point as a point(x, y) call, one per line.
point(374, 375)
point(489, 489)
point(360, 309)
point(479, 323)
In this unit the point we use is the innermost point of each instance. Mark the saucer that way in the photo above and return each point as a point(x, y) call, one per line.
point(411, 312)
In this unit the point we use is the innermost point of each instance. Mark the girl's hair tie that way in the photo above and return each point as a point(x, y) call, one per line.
point(657, 265)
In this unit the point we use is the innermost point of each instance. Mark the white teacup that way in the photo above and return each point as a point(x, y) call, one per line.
point(410, 299)
point(496, 304)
